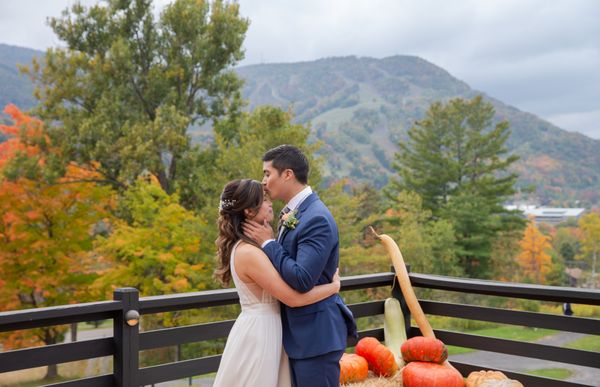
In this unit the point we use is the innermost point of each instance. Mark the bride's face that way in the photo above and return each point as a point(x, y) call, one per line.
point(265, 212)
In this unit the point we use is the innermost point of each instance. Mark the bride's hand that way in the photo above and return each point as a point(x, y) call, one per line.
point(336, 280)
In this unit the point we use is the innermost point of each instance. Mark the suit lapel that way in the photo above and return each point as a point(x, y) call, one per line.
point(306, 203)
point(300, 210)
point(283, 234)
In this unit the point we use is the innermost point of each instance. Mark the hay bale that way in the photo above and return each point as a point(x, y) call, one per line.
point(376, 381)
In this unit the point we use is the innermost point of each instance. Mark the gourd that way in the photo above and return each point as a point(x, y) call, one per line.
point(394, 330)
point(421, 348)
point(407, 291)
point(405, 286)
point(424, 374)
point(490, 379)
point(353, 368)
point(380, 359)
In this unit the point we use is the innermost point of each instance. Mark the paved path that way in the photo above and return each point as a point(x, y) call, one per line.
point(200, 382)
point(90, 334)
point(583, 375)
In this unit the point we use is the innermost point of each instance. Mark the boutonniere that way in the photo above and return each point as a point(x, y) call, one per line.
point(289, 220)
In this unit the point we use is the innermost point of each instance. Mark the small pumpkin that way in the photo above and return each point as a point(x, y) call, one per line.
point(353, 368)
point(490, 379)
point(425, 374)
point(381, 360)
point(421, 348)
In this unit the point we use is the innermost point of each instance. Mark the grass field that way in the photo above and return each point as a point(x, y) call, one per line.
point(36, 383)
point(554, 373)
point(587, 343)
point(505, 332)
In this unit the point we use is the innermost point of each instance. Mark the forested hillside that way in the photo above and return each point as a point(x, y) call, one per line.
point(360, 108)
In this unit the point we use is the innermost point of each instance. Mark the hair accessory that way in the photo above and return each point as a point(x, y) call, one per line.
point(226, 204)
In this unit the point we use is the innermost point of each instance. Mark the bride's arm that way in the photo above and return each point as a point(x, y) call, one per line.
point(260, 270)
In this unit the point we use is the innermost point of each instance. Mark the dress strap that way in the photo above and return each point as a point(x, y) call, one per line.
point(246, 294)
point(236, 279)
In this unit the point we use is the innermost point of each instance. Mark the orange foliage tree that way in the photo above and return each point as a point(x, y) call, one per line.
point(47, 227)
point(534, 259)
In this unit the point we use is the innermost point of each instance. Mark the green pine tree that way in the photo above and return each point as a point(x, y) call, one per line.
point(456, 160)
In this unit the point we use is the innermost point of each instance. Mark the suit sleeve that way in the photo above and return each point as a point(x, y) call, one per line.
point(314, 247)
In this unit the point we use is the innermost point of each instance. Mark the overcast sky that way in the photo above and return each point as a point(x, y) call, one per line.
point(541, 56)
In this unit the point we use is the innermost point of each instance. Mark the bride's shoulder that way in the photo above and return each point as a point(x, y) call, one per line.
point(248, 251)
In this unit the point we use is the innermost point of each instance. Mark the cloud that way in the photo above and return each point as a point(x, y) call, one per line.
point(24, 22)
point(540, 56)
point(587, 123)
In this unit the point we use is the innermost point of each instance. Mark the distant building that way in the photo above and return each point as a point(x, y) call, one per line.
point(574, 274)
point(548, 214)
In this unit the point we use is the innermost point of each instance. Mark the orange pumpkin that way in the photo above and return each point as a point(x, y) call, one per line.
point(380, 358)
point(421, 348)
point(353, 368)
point(424, 374)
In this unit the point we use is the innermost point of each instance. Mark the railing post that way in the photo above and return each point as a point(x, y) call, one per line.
point(127, 339)
point(397, 294)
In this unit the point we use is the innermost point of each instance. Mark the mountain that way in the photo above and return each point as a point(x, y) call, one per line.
point(360, 108)
point(15, 87)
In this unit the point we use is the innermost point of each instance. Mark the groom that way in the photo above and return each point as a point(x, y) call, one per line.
point(305, 253)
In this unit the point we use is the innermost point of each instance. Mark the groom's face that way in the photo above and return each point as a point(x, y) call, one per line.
point(273, 182)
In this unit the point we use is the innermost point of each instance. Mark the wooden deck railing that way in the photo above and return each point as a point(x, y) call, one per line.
point(127, 341)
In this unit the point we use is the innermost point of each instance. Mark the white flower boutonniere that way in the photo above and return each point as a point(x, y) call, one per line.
point(289, 220)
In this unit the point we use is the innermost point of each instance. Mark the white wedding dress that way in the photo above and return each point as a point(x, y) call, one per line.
point(254, 354)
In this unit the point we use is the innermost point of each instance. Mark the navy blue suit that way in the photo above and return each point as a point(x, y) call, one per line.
point(306, 256)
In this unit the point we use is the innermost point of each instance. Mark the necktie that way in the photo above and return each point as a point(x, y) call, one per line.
point(280, 223)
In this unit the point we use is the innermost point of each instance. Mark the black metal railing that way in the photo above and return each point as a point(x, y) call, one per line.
point(127, 341)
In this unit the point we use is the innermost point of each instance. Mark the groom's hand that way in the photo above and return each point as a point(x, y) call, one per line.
point(258, 232)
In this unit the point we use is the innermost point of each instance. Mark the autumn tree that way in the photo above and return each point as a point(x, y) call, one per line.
point(505, 248)
point(355, 208)
point(429, 246)
point(160, 251)
point(161, 248)
point(534, 259)
point(566, 240)
point(565, 246)
point(47, 229)
point(590, 241)
point(127, 86)
point(456, 160)
point(241, 157)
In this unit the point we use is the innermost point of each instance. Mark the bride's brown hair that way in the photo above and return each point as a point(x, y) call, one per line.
point(237, 196)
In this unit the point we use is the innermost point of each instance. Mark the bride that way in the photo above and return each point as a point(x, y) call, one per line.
point(254, 354)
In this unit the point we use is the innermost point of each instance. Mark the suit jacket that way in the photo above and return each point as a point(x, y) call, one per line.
point(306, 256)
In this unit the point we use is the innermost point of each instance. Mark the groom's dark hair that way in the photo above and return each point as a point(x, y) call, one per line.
point(288, 157)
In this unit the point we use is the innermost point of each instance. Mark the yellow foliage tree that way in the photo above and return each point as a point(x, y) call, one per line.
point(534, 259)
point(159, 251)
point(590, 241)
